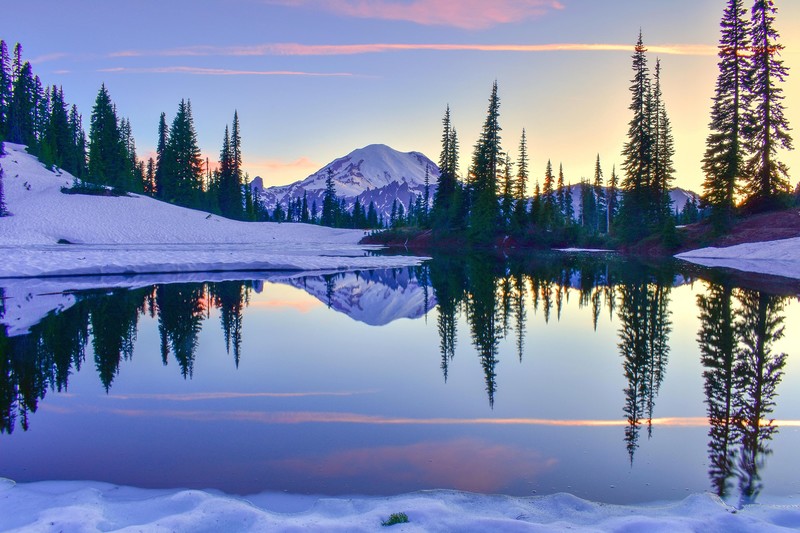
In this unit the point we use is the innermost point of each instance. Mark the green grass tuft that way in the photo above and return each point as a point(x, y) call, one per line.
point(395, 518)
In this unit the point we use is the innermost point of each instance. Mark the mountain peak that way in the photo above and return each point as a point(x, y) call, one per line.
point(374, 173)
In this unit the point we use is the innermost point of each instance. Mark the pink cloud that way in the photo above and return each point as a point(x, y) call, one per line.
point(202, 71)
point(297, 49)
point(466, 14)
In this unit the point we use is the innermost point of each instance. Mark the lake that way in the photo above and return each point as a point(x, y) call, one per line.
point(610, 379)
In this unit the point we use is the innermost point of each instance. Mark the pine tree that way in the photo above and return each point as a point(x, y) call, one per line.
point(636, 202)
point(723, 162)
point(56, 144)
point(183, 154)
point(549, 200)
point(3, 210)
point(106, 156)
point(76, 162)
point(507, 200)
point(561, 202)
point(426, 198)
point(162, 184)
point(5, 90)
point(767, 128)
point(520, 204)
point(24, 102)
point(304, 215)
point(600, 198)
point(236, 168)
point(486, 163)
point(443, 211)
point(329, 201)
point(569, 207)
point(663, 152)
point(612, 196)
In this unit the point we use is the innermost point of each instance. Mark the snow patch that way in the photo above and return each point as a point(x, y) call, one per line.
point(777, 258)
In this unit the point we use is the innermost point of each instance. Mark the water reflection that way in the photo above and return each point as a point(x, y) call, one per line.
point(493, 303)
point(739, 327)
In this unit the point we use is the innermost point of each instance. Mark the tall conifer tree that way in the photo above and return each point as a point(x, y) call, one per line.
point(162, 164)
point(486, 164)
point(723, 163)
point(767, 129)
point(637, 199)
point(106, 156)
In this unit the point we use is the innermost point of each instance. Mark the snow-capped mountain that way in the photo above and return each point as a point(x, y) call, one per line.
point(375, 173)
point(376, 297)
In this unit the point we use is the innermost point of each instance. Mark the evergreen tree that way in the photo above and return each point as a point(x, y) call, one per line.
point(549, 199)
point(507, 198)
point(561, 202)
point(186, 165)
point(5, 90)
point(569, 207)
point(767, 128)
point(426, 198)
point(634, 214)
point(304, 215)
point(520, 201)
point(56, 143)
point(162, 184)
point(612, 196)
point(75, 163)
point(600, 198)
point(486, 163)
point(444, 199)
point(24, 103)
point(106, 152)
point(3, 210)
point(664, 151)
point(372, 216)
point(723, 161)
point(329, 201)
point(236, 168)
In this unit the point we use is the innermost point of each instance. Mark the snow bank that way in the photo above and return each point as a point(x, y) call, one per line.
point(778, 258)
point(134, 234)
point(84, 506)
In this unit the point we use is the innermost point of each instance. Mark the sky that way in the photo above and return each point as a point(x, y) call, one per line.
point(313, 80)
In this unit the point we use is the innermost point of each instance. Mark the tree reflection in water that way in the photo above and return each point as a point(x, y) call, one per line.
point(738, 329)
point(496, 299)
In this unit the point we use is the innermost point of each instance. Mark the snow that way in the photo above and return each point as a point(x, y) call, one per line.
point(376, 173)
point(777, 258)
point(87, 506)
point(136, 234)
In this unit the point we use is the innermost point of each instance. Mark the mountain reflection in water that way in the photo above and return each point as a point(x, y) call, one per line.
point(49, 327)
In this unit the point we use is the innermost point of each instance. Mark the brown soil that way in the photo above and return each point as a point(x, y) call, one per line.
point(756, 228)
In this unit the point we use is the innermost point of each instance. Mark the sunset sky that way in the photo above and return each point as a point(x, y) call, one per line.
point(314, 79)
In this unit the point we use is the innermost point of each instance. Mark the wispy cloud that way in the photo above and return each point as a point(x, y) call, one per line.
point(297, 49)
point(48, 57)
point(202, 71)
point(466, 14)
point(200, 396)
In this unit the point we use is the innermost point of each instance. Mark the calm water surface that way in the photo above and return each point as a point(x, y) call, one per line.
point(612, 380)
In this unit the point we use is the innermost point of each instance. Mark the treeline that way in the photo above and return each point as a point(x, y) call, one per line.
point(491, 200)
point(742, 170)
point(748, 123)
point(39, 116)
point(106, 161)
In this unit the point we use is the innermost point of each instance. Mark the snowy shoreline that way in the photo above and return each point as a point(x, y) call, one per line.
point(136, 234)
point(775, 258)
point(91, 506)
